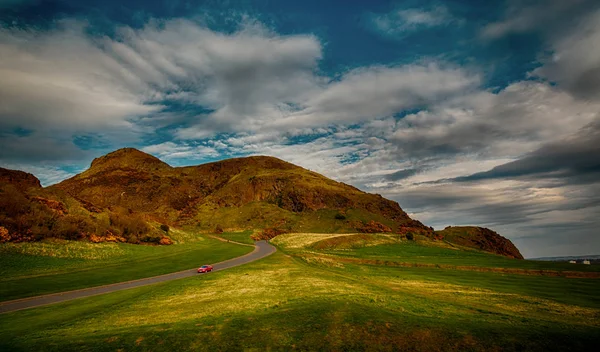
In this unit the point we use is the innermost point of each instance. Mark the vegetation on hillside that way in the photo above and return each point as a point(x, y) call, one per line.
point(130, 196)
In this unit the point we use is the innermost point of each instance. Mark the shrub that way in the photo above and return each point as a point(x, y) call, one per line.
point(128, 225)
point(410, 237)
point(4, 235)
point(165, 241)
point(268, 233)
point(165, 228)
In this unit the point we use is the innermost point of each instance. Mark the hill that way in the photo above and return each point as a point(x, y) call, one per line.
point(128, 195)
point(480, 238)
point(243, 193)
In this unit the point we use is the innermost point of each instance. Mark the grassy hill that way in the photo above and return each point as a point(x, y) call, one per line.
point(130, 196)
point(242, 193)
point(336, 292)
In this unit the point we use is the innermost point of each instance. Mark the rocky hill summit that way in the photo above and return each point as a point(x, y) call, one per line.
point(128, 195)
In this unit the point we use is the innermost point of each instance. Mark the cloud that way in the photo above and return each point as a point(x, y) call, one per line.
point(37, 148)
point(65, 82)
point(61, 80)
point(536, 15)
point(413, 19)
point(173, 151)
point(510, 122)
point(575, 60)
point(401, 174)
point(377, 92)
point(574, 159)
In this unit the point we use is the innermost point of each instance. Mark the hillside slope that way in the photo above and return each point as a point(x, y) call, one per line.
point(128, 195)
point(29, 212)
point(243, 193)
point(480, 238)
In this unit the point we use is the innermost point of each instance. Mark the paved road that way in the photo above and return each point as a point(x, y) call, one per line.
point(261, 250)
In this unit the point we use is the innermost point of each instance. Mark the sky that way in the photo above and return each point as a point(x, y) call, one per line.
point(479, 113)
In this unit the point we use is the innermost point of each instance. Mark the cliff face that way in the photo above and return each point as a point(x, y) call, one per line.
point(480, 238)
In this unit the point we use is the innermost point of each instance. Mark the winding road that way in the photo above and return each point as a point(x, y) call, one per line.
point(261, 250)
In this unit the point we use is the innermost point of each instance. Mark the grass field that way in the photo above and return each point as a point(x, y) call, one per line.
point(242, 237)
point(301, 298)
point(30, 269)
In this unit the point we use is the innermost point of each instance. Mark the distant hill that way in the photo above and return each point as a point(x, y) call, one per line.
point(128, 195)
point(480, 238)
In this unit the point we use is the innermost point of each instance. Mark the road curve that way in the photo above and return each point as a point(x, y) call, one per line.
point(261, 250)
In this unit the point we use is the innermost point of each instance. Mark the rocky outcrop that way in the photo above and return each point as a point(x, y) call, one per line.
point(19, 179)
point(480, 238)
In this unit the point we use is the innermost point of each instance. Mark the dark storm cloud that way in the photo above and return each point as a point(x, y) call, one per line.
point(574, 160)
point(401, 174)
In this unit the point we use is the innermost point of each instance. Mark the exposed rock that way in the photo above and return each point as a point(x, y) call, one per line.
point(374, 227)
point(19, 179)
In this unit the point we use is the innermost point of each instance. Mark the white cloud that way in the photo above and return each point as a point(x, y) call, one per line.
point(377, 92)
point(407, 20)
point(62, 80)
point(65, 79)
point(173, 151)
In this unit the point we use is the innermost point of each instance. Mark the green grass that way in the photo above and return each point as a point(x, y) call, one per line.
point(302, 299)
point(419, 252)
point(31, 269)
point(242, 236)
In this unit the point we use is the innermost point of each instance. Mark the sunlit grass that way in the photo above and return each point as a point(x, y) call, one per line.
point(281, 302)
point(302, 299)
point(57, 248)
point(29, 269)
point(301, 240)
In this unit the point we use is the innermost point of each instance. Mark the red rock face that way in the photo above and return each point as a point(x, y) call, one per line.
point(374, 227)
point(480, 238)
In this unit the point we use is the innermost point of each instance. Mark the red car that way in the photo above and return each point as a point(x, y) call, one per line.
point(205, 268)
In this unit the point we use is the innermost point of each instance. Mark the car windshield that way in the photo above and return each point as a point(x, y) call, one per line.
point(205, 266)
